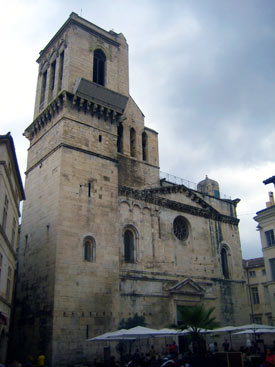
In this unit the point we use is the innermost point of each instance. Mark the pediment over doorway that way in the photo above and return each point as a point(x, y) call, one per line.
point(187, 287)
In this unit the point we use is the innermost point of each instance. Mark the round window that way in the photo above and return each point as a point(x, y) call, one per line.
point(180, 227)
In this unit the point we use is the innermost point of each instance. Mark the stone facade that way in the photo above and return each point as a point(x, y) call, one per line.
point(11, 193)
point(103, 238)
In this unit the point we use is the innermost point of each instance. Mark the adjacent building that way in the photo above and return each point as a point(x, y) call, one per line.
point(257, 291)
point(103, 237)
point(11, 194)
point(266, 227)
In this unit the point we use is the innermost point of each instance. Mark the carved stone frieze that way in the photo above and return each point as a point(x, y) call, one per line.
point(149, 195)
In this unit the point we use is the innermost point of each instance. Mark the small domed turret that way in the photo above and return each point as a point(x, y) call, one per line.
point(210, 187)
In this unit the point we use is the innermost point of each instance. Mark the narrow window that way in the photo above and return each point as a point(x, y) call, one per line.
point(100, 138)
point(217, 194)
point(89, 249)
point(269, 236)
point(269, 320)
point(132, 142)
point(61, 67)
point(266, 295)
point(144, 146)
point(99, 67)
point(120, 138)
point(9, 279)
point(1, 263)
point(225, 269)
point(53, 67)
point(129, 246)
point(258, 320)
point(13, 232)
point(43, 86)
point(159, 227)
point(26, 244)
point(272, 268)
point(89, 189)
point(255, 295)
point(5, 212)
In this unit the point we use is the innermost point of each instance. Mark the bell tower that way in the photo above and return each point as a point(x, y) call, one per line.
point(86, 139)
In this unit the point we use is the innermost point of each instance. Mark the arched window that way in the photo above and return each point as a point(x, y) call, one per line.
point(120, 138)
point(144, 146)
point(99, 67)
point(224, 259)
point(129, 246)
point(89, 249)
point(132, 142)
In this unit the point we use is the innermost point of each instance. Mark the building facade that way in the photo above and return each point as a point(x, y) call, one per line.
point(257, 291)
point(266, 226)
point(11, 194)
point(103, 238)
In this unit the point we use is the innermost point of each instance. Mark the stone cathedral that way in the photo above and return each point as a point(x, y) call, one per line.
point(103, 237)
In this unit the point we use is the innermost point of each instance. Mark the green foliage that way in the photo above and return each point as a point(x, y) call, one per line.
point(197, 317)
point(132, 322)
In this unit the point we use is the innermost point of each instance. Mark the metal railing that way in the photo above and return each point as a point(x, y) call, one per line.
point(181, 181)
point(177, 180)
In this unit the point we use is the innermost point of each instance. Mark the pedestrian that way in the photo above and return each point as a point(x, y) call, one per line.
point(211, 347)
point(152, 353)
point(269, 358)
point(225, 345)
point(113, 362)
point(174, 350)
point(41, 360)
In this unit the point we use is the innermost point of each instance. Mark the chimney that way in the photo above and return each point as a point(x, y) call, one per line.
point(271, 199)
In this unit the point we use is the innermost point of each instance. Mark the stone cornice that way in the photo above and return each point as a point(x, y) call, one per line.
point(71, 147)
point(150, 196)
point(67, 99)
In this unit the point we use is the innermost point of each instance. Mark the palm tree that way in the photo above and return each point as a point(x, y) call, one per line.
point(196, 318)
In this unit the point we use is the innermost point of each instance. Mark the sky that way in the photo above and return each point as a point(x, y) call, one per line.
point(202, 72)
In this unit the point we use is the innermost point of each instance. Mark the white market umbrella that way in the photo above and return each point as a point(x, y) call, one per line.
point(256, 331)
point(168, 332)
point(191, 330)
point(130, 334)
point(142, 332)
point(137, 332)
point(254, 327)
point(110, 336)
point(224, 329)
